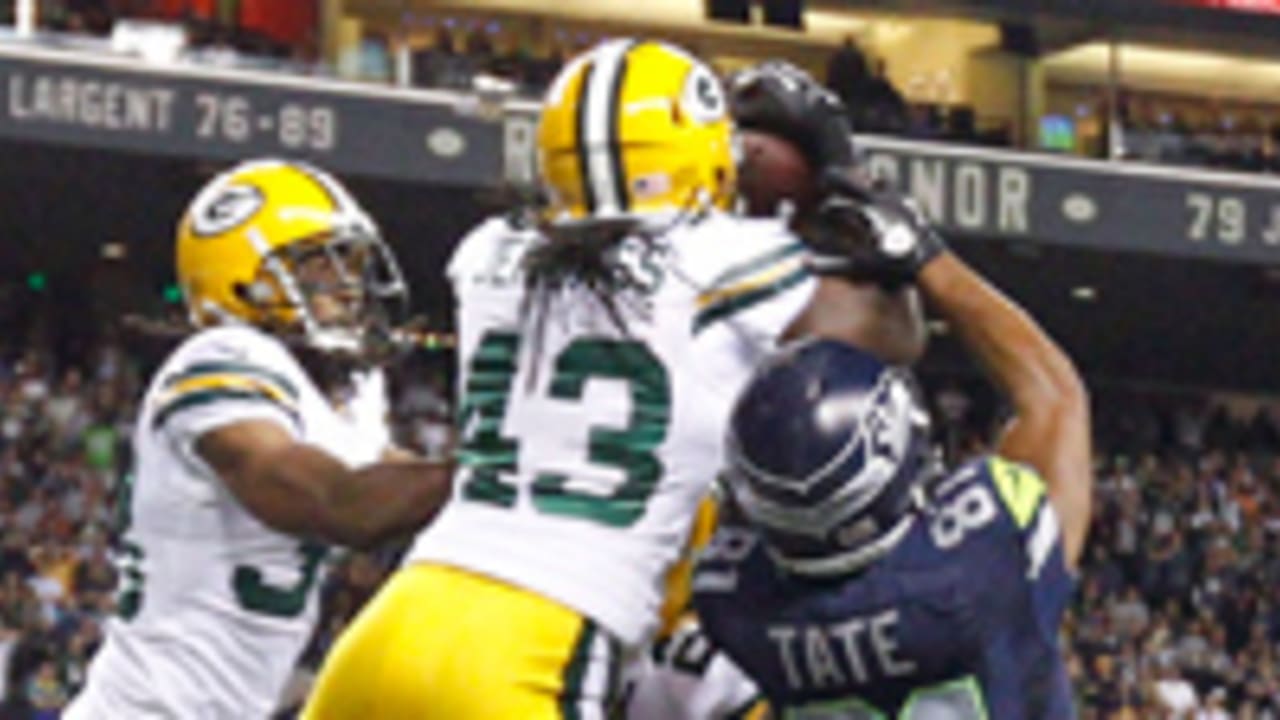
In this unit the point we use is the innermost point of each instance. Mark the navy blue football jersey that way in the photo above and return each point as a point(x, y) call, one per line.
point(959, 621)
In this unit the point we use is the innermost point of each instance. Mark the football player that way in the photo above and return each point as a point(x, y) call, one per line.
point(684, 676)
point(245, 471)
point(861, 580)
point(600, 348)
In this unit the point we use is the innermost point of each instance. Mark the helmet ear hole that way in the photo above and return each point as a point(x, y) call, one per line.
point(722, 176)
point(255, 293)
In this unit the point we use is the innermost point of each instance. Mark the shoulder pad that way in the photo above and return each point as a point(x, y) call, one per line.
point(1019, 486)
point(477, 252)
point(229, 362)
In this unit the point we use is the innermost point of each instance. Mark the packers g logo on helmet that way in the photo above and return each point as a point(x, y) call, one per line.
point(703, 97)
point(635, 128)
point(246, 234)
point(224, 208)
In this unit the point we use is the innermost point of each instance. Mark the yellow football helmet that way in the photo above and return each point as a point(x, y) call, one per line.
point(266, 241)
point(632, 129)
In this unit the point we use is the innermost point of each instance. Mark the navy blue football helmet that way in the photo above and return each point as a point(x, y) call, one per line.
point(828, 454)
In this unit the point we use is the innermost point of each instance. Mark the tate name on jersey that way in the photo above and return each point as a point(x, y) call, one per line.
point(822, 656)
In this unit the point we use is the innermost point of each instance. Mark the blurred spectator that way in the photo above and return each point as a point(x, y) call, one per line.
point(479, 44)
point(880, 107)
point(1101, 688)
point(19, 605)
point(91, 16)
point(1174, 695)
point(46, 692)
point(442, 66)
point(847, 72)
point(369, 60)
point(540, 71)
point(874, 104)
point(1130, 615)
point(1213, 707)
point(454, 64)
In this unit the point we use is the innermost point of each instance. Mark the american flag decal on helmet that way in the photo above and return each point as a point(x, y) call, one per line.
point(652, 185)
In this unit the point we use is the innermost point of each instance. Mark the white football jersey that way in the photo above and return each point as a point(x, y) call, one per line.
point(213, 606)
point(585, 448)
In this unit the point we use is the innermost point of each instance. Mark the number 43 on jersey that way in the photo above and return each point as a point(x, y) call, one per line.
point(632, 450)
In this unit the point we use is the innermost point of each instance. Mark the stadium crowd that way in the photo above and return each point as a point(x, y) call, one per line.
point(1177, 612)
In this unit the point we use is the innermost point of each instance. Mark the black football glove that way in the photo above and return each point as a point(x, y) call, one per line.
point(867, 233)
point(780, 99)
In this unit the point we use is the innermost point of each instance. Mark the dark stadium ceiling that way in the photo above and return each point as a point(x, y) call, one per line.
point(1151, 320)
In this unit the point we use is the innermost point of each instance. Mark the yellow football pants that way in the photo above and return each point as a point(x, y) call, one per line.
point(440, 642)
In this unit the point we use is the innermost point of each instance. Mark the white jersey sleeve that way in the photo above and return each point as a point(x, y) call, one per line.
point(224, 376)
point(752, 281)
point(490, 255)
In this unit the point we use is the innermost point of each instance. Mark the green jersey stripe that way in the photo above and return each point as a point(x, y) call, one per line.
point(575, 671)
point(201, 369)
point(751, 267)
point(730, 306)
point(204, 397)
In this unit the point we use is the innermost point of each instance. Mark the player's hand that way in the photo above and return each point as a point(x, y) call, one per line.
point(780, 99)
point(867, 233)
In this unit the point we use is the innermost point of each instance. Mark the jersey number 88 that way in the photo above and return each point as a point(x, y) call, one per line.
point(969, 511)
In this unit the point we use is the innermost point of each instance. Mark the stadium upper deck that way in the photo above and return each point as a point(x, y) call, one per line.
point(1103, 78)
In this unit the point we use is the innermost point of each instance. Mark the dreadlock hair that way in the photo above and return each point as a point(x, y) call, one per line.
point(581, 255)
point(588, 254)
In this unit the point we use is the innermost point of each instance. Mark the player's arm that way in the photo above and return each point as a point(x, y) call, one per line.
point(395, 453)
point(1050, 427)
point(300, 489)
point(894, 245)
point(886, 323)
